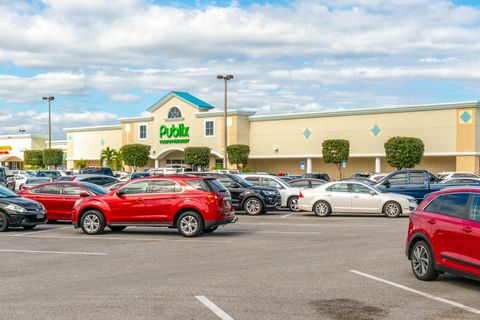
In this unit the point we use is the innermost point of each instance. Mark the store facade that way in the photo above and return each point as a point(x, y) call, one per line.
point(289, 143)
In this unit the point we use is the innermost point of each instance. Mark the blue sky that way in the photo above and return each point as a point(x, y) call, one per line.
point(103, 62)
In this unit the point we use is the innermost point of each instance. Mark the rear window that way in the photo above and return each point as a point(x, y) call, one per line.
point(215, 185)
point(95, 188)
point(434, 205)
point(454, 205)
point(199, 185)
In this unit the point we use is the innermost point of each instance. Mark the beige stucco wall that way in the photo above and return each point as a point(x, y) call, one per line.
point(88, 145)
point(437, 129)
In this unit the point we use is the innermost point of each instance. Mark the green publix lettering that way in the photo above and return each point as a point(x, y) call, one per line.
point(174, 132)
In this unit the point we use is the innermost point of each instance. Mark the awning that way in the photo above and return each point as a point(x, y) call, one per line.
point(10, 158)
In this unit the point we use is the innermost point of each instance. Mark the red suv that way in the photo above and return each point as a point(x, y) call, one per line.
point(444, 234)
point(189, 203)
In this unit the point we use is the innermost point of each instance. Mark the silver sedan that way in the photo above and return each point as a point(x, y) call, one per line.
point(358, 197)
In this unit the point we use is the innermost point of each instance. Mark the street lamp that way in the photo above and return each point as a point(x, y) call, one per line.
point(225, 78)
point(49, 120)
point(22, 131)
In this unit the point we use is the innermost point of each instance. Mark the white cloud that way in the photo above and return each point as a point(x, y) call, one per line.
point(124, 97)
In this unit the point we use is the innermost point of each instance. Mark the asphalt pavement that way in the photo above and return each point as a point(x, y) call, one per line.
point(277, 266)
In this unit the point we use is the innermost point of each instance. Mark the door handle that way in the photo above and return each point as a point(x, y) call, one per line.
point(356, 197)
point(431, 221)
point(467, 229)
point(140, 200)
point(174, 197)
point(328, 195)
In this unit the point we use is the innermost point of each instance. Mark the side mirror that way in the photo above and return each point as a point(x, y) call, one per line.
point(84, 194)
point(386, 184)
point(234, 185)
point(372, 193)
point(120, 193)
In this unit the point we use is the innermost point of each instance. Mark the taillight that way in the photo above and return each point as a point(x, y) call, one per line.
point(212, 198)
point(300, 195)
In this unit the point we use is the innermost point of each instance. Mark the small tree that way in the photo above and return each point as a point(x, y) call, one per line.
point(80, 164)
point(335, 151)
point(197, 156)
point(118, 162)
point(135, 155)
point(53, 157)
point(108, 156)
point(238, 154)
point(404, 152)
point(33, 158)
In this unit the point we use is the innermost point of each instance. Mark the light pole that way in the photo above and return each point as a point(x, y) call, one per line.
point(225, 78)
point(22, 131)
point(49, 120)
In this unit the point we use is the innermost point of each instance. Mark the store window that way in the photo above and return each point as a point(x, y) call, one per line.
point(209, 128)
point(142, 132)
point(174, 113)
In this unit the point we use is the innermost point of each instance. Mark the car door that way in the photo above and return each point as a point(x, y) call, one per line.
point(128, 206)
point(70, 194)
point(417, 185)
point(162, 198)
point(234, 188)
point(272, 183)
point(446, 227)
point(471, 235)
point(50, 196)
point(339, 197)
point(365, 199)
point(397, 183)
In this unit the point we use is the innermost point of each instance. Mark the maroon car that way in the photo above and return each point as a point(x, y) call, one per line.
point(190, 204)
point(58, 198)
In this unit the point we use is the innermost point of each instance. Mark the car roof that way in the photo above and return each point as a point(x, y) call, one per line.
point(89, 175)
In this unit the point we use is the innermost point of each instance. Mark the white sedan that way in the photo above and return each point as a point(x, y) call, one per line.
point(351, 196)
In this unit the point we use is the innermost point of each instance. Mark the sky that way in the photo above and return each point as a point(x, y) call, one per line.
point(104, 60)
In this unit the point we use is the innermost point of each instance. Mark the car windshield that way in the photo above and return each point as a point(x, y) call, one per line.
point(94, 188)
point(6, 193)
point(375, 188)
point(241, 181)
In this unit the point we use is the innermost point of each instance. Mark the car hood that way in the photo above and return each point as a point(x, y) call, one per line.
point(397, 195)
point(21, 201)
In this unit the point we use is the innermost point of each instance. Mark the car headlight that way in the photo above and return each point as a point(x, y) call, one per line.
point(270, 193)
point(14, 207)
point(412, 201)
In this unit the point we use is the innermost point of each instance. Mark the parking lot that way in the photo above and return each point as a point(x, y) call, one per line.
point(278, 266)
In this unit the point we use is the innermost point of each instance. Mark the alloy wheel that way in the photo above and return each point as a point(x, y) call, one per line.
point(293, 204)
point(253, 206)
point(392, 210)
point(189, 225)
point(321, 209)
point(91, 222)
point(420, 260)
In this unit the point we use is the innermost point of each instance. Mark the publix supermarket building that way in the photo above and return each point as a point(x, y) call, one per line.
point(289, 142)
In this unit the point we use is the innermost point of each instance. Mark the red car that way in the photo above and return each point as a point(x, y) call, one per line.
point(444, 234)
point(58, 198)
point(191, 204)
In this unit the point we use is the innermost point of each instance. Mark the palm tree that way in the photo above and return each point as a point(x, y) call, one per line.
point(108, 156)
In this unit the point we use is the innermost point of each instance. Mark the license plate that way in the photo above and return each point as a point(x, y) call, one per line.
point(40, 216)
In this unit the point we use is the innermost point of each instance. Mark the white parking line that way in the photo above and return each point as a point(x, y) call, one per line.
point(326, 225)
point(55, 252)
point(421, 293)
point(86, 237)
point(287, 215)
point(39, 231)
point(212, 306)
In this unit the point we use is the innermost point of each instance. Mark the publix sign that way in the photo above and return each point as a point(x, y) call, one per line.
point(174, 134)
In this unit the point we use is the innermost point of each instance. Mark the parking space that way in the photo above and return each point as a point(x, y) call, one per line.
point(263, 267)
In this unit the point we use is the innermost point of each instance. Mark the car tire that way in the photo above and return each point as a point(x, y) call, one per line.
point(210, 230)
point(253, 206)
point(322, 209)
point(3, 222)
point(392, 209)
point(422, 261)
point(190, 224)
point(29, 227)
point(292, 204)
point(51, 221)
point(92, 222)
point(117, 228)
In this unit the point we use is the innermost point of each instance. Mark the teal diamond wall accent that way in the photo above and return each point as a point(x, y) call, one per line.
point(376, 130)
point(102, 142)
point(465, 116)
point(307, 133)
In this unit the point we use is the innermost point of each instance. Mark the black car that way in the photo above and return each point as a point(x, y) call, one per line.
point(16, 211)
point(247, 197)
point(98, 170)
point(317, 175)
point(7, 180)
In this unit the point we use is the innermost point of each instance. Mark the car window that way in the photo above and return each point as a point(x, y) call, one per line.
point(138, 187)
point(358, 188)
point(72, 190)
point(300, 184)
point(474, 213)
point(454, 205)
point(317, 183)
point(267, 182)
point(416, 177)
point(164, 186)
point(254, 180)
point(95, 180)
point(463, 175)
point(398, 179)
point(48, 189)
point(434, 205)
point(338, 187)
point(108, 180)
point(227, 181)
